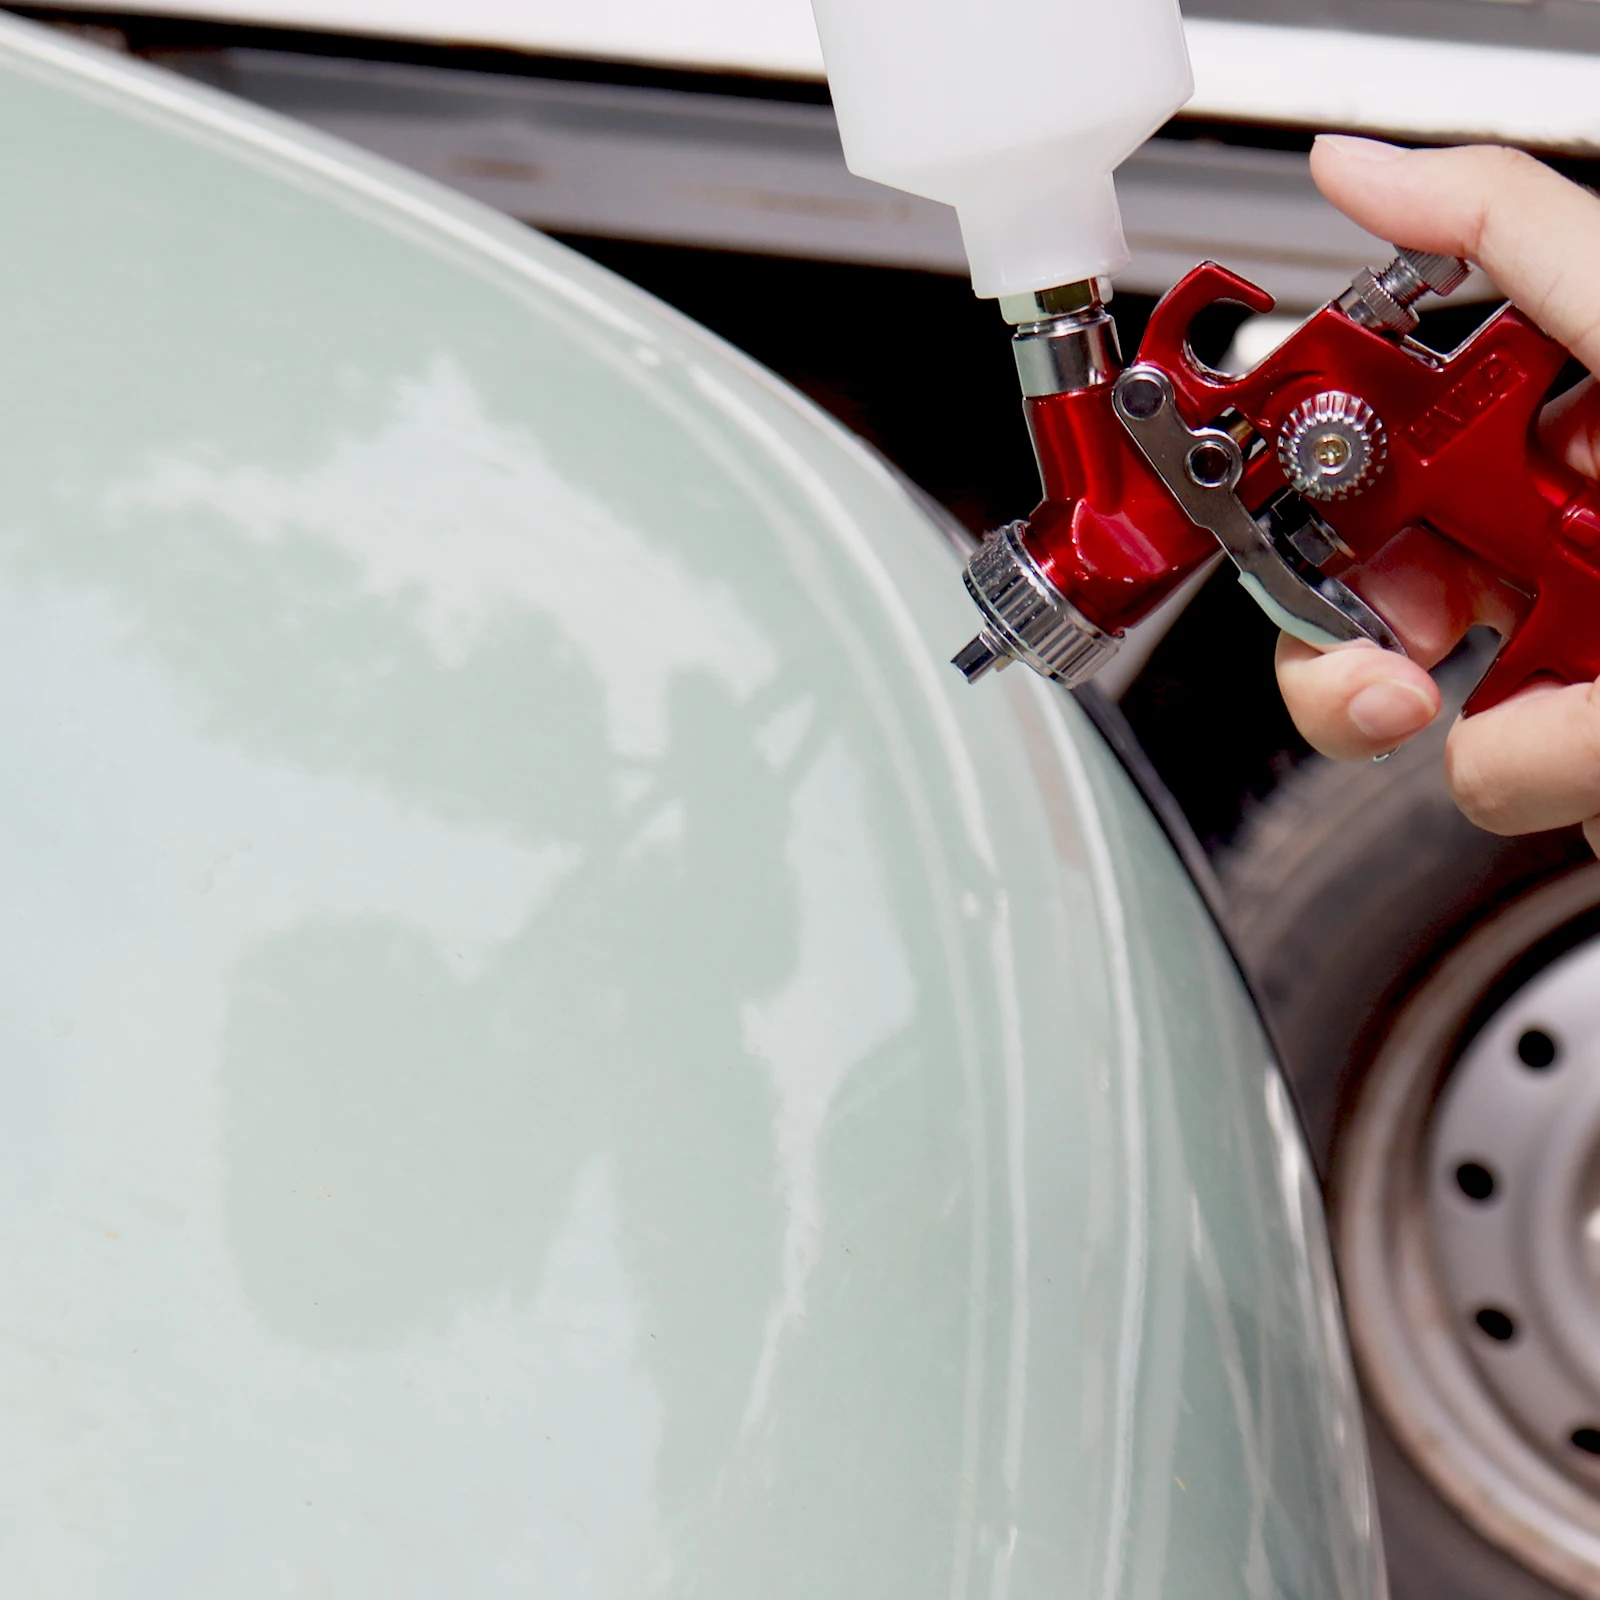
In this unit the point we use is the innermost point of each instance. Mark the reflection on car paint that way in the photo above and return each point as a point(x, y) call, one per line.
point(545, 1043)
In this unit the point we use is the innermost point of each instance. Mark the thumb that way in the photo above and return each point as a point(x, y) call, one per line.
point(1533, 232)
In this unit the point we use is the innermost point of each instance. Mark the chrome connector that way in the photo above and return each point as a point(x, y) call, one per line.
point(1065, 300)
point(1067, 355)
point(1027, 618)
point(1383, 301)
point(1065, 341)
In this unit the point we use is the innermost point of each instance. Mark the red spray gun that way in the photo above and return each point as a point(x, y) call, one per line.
point(1016, 113)
point(1300, 470)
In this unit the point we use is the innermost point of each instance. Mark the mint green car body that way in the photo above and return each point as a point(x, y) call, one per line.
point(551, 1046)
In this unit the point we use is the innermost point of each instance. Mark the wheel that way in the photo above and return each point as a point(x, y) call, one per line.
point(1435, 994)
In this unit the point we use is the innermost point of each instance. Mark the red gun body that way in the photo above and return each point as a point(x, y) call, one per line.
point(1463, 460)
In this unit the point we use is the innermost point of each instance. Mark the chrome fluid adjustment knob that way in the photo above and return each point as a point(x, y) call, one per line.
point(1332, 446)
point(1026, 618)
point(1414, 271)
point(1385, 301)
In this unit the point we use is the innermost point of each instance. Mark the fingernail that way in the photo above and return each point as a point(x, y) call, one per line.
point(1348, 144)
point(1391, 711)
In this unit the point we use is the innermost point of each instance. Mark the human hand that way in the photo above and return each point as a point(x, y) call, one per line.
point(1533, 762)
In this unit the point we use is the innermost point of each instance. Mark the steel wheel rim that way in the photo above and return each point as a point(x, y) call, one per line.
point(1407, 1292)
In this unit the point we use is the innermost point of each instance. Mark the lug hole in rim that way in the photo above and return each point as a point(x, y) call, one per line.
point(1496, 1324)
point(1587, 1439)
point(1475, 1180)
point(1537, 1050)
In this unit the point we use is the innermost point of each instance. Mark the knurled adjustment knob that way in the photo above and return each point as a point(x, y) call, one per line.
point(1385, 301)
point(1332, 446)
point(1442, 274)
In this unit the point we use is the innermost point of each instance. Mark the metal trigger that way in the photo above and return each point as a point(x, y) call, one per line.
point(1201, 468)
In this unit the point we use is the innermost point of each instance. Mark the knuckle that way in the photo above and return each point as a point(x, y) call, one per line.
point(1510, 164)
point(1472, 784)
point(1503, 176)
point(1583, 739)
point(1538, 768)
point(1588, 733)
point(1584, 341)
point(1500, 168)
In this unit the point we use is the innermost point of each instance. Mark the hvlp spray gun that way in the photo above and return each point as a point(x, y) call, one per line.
point(1017, 112)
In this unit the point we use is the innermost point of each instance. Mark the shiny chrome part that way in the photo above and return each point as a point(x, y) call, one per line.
point(1065, 340)
point(1202, 468)
point(1028, 618)
point(1313, 541)
point(1211, 465)
point(1414, 272)
point(1067, 354)
point(1065, 300)
point(983, 653)
point(1366, 302)
point(1332, 446)
point(1383, 301)
point(1142, 394)
point(1468, 1187)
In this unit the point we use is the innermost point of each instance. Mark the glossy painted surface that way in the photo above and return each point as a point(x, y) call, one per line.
point(550, 1046)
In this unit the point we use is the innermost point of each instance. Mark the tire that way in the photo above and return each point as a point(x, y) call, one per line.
point(1346, 889)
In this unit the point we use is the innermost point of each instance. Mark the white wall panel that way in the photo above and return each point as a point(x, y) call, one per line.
point(1309, 77)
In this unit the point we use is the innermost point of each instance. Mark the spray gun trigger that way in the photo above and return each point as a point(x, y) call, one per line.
point(1277, 573)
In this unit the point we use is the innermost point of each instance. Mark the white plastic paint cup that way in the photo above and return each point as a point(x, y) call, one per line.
point(1016, 112)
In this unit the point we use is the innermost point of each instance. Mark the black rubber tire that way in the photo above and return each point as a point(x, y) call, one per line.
point(1344, 889)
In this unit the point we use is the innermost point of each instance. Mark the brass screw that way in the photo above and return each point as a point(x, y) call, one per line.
point(1332, 451)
